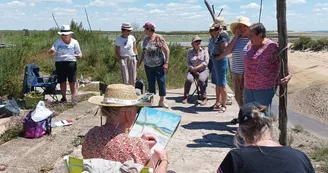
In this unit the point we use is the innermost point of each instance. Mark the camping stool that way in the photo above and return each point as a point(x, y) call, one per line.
point(197, 89)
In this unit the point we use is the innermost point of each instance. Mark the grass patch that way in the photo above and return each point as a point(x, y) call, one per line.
point(78, 141)
point(320, 154)
point(14, 129)
point(298, 128)
point(45, 169)
point(90, 87)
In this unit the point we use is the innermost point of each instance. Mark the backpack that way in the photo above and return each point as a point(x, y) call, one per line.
point(36, 129)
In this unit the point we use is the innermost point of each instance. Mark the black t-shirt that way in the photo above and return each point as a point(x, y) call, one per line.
point(253, 159)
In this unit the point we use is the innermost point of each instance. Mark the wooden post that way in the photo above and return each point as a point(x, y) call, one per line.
point(282, 32)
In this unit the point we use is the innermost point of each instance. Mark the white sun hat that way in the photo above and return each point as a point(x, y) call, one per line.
point(65, 30)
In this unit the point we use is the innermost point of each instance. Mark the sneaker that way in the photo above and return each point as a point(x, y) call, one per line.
point(74, 100)
point(163, 104)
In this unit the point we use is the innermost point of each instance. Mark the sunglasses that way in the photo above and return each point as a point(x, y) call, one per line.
point(217, 29)
point(64, 35)
point(147, 29)
point(198, 41)
point(126, 30)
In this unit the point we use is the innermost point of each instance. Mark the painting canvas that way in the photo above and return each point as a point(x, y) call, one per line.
point(160, 124)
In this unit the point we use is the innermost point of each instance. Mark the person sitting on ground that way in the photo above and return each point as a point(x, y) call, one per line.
point(197, 61)
point(126, 53)
point(66, 51)
point(261, 72)
point(111, 140)
point(260, 152)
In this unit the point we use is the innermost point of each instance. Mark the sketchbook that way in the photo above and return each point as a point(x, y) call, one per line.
point(160, 124)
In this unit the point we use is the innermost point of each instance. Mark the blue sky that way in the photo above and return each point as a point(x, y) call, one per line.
point(168, 15)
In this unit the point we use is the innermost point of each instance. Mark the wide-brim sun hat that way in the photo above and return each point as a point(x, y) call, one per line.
point(220, 21)
point(196, 38)
point(242, 20)
point(127, 26)
point(149, 25)
point(65, 30)
point(117, 95)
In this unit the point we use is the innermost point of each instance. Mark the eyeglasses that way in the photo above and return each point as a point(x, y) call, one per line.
point(64, 35)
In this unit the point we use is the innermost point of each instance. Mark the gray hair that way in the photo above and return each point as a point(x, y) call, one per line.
point(253, 129)
point(258, 28)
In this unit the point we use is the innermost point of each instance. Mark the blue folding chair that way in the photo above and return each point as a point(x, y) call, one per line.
point(47, 84)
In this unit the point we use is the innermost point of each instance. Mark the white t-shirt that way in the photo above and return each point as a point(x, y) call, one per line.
point(126, 45)
point(66, 52)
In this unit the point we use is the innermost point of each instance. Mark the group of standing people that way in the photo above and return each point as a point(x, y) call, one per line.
point(254, 64)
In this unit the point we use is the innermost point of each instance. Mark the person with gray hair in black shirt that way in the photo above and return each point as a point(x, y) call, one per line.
point(259, 152)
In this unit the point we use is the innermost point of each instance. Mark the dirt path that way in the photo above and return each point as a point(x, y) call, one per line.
point(308, 89)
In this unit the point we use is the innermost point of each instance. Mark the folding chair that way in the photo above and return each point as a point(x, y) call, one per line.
point(197, 89)
point(47, 84)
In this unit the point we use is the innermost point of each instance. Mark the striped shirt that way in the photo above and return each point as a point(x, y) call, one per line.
point(238, 55)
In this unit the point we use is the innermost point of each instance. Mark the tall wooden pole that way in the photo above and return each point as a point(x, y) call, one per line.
point(282, 31)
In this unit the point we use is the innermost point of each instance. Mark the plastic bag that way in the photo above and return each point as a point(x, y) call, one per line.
point(41, 112)
point(9, 108)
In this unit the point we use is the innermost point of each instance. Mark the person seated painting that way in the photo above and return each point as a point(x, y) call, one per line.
point(197, 61)
point(111, 141)
point(260, 152)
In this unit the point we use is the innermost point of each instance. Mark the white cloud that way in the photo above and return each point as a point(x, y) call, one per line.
point(154, 5)
point(100, 3)
point(40, 1)
point(296, 1)
point(218, 1)
point(156, 11)
point(251, 5)
point(31, 4)
point(135, 10)
point(16, 4)
point(320, 5)
point(224, 7)
point(325, 9)
point(188, 1)
point(293, 13)
point(64, 11)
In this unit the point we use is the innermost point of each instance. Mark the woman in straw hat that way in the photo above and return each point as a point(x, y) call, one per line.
point(220, 66)
point(156, 54)
point(197, 61)
point(260, 151)
point(66, 51)
point(126, 53)
point(111, 140)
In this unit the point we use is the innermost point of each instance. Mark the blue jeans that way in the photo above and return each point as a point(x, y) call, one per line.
point(153, 74)
point(264, 97)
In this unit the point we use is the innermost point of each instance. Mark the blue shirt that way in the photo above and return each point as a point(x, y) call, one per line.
point(238, 55)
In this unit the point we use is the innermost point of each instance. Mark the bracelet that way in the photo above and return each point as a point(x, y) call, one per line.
point(160, 161)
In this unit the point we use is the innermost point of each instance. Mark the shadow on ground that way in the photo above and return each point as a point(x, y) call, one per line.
point(214, 140)
point(211, 125)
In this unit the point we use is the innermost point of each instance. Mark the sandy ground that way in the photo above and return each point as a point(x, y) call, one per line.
point(308, 89)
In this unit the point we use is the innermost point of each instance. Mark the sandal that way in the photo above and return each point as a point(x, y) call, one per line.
point(222, 109)
point(215, 107)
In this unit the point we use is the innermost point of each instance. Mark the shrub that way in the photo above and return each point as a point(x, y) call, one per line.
point(307, 43)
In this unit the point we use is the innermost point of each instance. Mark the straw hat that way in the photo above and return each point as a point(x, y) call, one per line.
point(220, 21)
point(196, 38)
point(212, 26)
point(242, 20)
point(65, 30)
point(117, 95)
point(126, 26)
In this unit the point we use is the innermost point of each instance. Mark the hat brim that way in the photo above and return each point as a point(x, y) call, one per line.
point(130, 29)
point(65, 33)
point(98, 100)
point(234, 24)
point(197, 40)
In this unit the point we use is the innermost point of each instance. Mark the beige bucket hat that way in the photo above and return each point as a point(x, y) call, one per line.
point(242, 20)
point(117, 95)
point(196, 38)
point(220, 21)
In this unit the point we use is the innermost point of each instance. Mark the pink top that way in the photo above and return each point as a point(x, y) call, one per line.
point(261, 67)
point(108, 143)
